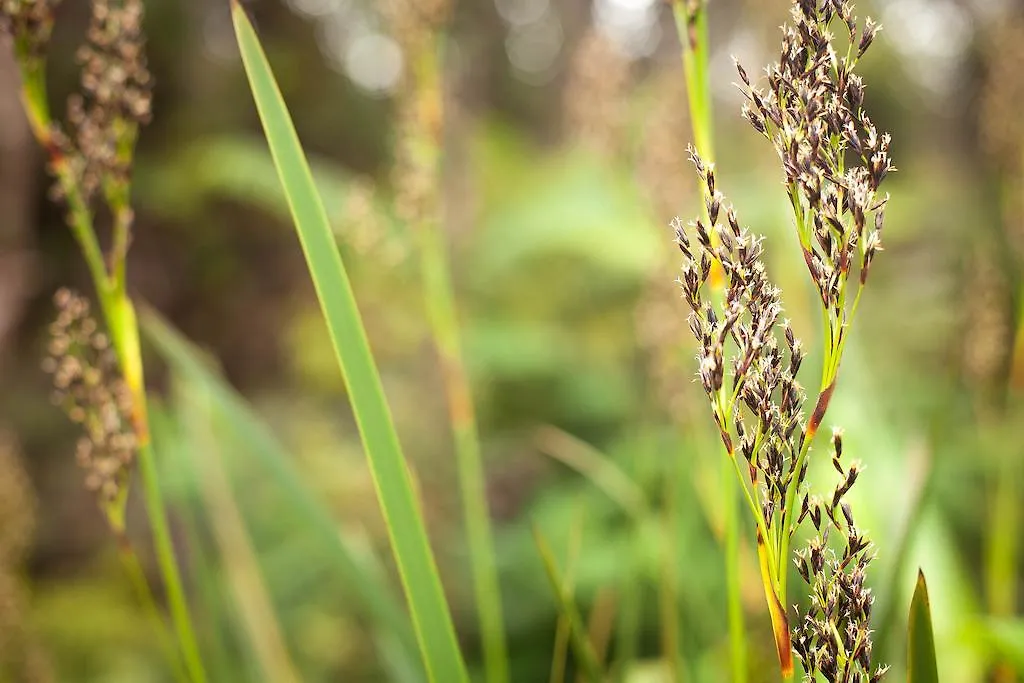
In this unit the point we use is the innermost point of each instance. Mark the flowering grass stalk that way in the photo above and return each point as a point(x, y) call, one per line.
point(420, 204)
point(812, 112)
point(91, 162)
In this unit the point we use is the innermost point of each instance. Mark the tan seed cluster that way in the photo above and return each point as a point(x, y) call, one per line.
point(88, 386)
point(987, 332)
point(116, 93)
point(663, 157)
point(29, 22)
point(17, 504)
point(413, 21)
point(595, 102)
point(21, 657)
point(1002, 130)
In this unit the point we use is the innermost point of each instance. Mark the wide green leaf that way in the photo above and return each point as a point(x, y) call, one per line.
point(392, 479)
point(921, 665)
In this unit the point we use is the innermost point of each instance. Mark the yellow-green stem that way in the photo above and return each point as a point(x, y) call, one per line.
point(694, 38)
point(168, 565)
point(737, 637)
point(132, 567)
point(120, 321)
point(668, 599)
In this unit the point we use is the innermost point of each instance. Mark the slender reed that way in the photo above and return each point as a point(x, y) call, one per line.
point(813, 115)
point(692, 25)
point(418, 178)
point(93, 163)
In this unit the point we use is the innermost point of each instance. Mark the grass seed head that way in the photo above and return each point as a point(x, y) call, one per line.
point(90, 389)
point(115, 97)
point(834, 161)
point(29, 23)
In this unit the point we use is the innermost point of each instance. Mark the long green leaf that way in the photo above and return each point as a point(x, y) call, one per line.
point(921, 665)
point(417, 567)
point(260, 444)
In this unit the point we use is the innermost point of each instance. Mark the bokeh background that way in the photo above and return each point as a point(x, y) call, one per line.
point(565, 136)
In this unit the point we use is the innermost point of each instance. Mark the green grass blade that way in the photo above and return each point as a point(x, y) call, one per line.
point(417, 567)
point(563, 630)
point(167, 438)
point(238, 557)
point(603, 472)
point(921, 665)
point(440, 298)
point(578, 637)
point(260, 444)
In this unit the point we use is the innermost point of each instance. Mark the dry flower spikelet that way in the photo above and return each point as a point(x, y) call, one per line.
point(88, 386)
point(419, 130)
point(833, 637)
point(413, 21)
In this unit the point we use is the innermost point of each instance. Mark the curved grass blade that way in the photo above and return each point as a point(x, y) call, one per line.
point(245, 582)
point(432, 619)
point(578, 636)
point(259, 443)
point(921, 665)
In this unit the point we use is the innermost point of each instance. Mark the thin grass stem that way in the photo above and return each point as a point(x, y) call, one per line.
point(694, 37)
point(168, 564)
point(442, 310)
point(137, 578)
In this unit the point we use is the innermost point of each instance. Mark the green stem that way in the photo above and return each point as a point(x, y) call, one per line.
point(694, 38)
point(132, 567)
point(441, 306)
point(80, 222)
point(668, 599)
point(737, 637)
point(440, 301)
point(168, 565)
point(696, 52)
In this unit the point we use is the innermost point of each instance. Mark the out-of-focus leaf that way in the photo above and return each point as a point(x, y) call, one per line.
point(258, 617)
point(240, 168)
point(570, 205)
point(261, 446)
point(1006, 638)
point(921, 665)
point(568, 611)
